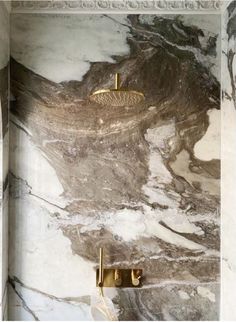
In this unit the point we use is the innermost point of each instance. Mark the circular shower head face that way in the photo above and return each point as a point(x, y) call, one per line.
point(117, 97)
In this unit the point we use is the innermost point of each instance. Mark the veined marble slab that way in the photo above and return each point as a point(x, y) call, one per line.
point(228, 269)
point(4, 146)
point(4, 35)
point(141, 182)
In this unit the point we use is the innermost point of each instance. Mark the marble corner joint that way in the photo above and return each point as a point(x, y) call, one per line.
point(116, 5)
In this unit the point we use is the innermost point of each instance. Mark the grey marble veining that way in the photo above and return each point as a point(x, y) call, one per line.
point(142, 182)
point(4, 146)
point(228, 249)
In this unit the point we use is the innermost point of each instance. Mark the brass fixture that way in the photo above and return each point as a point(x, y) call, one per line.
point(117, 96)
point(117, 277)
point(100, 276)
point(136, 275)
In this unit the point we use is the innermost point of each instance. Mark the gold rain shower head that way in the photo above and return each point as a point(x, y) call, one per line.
point(117, 96)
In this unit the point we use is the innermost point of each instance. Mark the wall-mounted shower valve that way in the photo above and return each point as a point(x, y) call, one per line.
point(117, 277)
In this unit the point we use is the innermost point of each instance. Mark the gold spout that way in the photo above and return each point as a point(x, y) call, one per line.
point(100, 277)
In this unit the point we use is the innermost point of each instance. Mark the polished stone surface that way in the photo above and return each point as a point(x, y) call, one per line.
point(4, 147)
point(143, 182)
point(228, 248)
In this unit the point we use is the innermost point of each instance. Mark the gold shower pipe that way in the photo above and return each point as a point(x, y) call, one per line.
point(100, 277)
point(117, 81)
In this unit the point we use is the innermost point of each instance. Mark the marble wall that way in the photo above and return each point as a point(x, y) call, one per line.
point(142, 182)
point(228, 271)
point(4, 141)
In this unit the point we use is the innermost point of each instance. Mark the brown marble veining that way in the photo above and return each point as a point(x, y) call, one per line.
point(102, 158)
point(4, 82)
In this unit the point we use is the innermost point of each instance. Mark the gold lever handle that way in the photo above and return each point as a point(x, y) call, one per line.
point(136, 275)
point(117, 277)
point(100, 276)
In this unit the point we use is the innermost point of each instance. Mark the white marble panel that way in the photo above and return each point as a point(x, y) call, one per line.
point(75, 44)
point(4, 146)
point(228, 148)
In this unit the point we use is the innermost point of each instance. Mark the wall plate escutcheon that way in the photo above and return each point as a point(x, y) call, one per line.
point(117, 277)
point(125, 280)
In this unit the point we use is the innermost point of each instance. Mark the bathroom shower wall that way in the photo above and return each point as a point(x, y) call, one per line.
point(228, 138)
point(4, 141)
point(142, 182)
